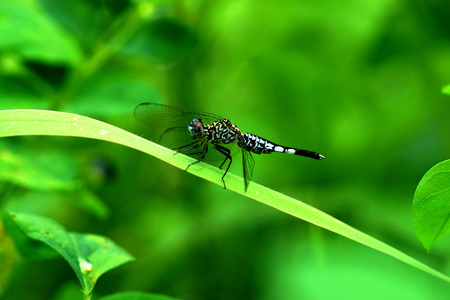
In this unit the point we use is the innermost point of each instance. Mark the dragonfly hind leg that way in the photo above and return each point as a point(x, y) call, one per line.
point(226, 152)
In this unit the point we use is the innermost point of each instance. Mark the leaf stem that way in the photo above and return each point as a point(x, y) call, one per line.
point(113, 40)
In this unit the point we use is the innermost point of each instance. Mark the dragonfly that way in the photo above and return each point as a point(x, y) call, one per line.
point(210, 138)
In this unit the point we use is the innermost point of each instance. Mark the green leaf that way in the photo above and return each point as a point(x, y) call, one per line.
point(89, 255)
point(40, 122)
point(29, 248)
point(89, 202)
point(446, 89)
point(431, 205)
point(136, 296)
point(26, 29)
point(95, 255)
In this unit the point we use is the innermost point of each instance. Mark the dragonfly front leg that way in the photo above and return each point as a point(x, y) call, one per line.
point(205, 150)
point(188, 147)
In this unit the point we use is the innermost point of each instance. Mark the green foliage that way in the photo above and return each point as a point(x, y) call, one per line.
point(23, 168)
point(22, 28)
point(89, 255)
point(18, 122)
point(432, 205)
point(355, 81)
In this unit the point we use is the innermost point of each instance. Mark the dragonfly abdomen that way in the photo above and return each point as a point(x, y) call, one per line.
point(260, 145)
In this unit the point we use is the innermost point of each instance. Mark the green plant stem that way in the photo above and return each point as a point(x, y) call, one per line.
point(87, 296)
point(113, 40)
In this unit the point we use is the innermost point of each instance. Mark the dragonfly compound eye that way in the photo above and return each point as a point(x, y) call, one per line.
point(195, 129)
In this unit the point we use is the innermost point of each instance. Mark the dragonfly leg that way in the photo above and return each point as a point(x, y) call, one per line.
point(205, 149)
point(188, 147)
point(226, 152)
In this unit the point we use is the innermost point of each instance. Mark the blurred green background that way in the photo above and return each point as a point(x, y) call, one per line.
point(357, 81)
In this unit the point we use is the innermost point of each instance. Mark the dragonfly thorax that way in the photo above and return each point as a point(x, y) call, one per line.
point(223, 132)
point(196, 129)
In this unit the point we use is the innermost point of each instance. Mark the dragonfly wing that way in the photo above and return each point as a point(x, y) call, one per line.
point(249, 165)
point(178, 139)
point(164, 116)
point(216, 158)
point(175, 137)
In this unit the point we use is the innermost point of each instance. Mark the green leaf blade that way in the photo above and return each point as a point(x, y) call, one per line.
point(431, 205)
point(29, 248)
point(89, 255)
point(97, 255)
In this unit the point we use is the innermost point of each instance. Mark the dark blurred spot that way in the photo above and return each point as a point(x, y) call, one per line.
point(101, 170)
point(163, 40)
point(54, 75)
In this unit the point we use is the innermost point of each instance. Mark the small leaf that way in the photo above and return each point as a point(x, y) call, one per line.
point(136, 296)
point(89, 255)
point(431, 205)
point(96, 255)
point(87, 201)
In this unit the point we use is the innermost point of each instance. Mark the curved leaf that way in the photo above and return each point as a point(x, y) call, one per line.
point(431, 205)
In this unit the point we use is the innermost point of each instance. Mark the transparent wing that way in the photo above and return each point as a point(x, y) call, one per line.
point(249, 165)
point(216, 158)
point(178, 139)
point(176, 136)
point(164, 116)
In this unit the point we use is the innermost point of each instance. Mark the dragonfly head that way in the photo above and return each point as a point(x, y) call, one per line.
point(196, 129)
